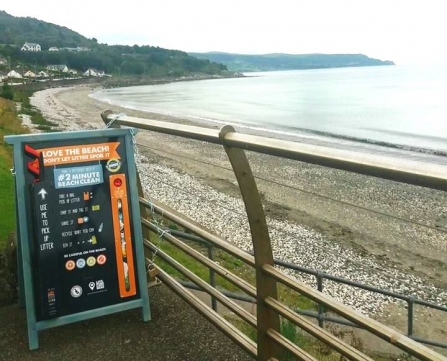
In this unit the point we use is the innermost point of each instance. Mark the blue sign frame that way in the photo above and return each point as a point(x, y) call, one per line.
point(24, 218)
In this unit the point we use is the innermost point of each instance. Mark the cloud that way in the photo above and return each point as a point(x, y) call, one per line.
point(411, 31)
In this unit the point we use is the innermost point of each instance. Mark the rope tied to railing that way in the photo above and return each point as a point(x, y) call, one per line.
point(133, 133)
point(116, 117)
point(161, 233)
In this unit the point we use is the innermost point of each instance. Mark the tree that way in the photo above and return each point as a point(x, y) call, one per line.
point(7, 92)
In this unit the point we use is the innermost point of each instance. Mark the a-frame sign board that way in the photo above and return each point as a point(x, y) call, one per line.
point(80, 246)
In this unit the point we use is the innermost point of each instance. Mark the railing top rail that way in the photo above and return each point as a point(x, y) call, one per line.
point(410, 172)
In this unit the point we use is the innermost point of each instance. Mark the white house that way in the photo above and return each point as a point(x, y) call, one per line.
point(69, 49)
point(80, 48)
point(14, 75)
point(72, 72)
point(42, 74)
point(3, 61)
point(60, 68)
point(29, 74)
point(53, 48)
point(91, 72)
point(31, 47)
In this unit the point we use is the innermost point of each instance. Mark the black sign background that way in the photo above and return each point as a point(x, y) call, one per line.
point(61, 241)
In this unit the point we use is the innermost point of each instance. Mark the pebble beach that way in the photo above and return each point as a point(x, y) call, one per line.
point(319, 218)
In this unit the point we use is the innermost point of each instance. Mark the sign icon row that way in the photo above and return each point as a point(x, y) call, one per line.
point(80, 263)
point(76, 290)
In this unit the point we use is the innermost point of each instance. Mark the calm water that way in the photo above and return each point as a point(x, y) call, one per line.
point(393, 106)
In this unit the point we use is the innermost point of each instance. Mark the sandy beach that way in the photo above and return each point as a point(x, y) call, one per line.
point(319, 218)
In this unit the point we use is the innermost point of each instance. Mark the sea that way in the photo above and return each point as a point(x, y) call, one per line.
point(395, 110)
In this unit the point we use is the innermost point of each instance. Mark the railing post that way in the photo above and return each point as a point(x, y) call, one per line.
point(262, 248)
point(410, 316)
point(320, 306)
point(212, 276)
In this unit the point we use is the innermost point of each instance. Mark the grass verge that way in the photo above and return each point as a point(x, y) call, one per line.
point(229, 262)
point(9, 124)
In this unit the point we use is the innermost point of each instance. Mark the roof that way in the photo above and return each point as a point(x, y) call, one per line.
point(31, 44)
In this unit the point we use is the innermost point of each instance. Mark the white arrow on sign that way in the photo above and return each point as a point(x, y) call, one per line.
point(43, 193)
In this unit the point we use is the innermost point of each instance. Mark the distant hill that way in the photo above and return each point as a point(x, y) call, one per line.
point(269, 62)
point(152, 61)
point(18, 30)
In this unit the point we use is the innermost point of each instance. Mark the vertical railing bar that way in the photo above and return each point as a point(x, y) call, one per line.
point(212, 276)
point(410, 316)
point(320, 306)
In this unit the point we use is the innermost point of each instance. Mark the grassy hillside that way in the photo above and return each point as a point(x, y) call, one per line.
point(9, 124)
point(117, 59)
point(268, 62)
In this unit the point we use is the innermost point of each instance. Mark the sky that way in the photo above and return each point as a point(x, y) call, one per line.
point(404, 31)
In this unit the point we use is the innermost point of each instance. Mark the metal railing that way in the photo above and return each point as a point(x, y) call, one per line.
point(267, 322)
point(320, 276)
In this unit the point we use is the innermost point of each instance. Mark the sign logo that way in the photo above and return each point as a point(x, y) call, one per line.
point(91, 261)
point(76, 291)
point(80, 263)
point(70, 265)
point(91, 285)
point(113, 165)
point(101, 259)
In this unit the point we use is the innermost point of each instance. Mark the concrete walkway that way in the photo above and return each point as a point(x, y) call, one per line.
point(176, 332)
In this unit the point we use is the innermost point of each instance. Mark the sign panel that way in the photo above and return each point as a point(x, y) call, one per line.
point(82, 231)
point(73, 177)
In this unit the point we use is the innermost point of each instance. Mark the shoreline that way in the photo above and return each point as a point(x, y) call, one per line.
point(362, 143)
point(313, 232)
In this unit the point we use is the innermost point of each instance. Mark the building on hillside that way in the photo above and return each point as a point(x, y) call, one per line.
point(14, 75)
point(29, 74)
point(53, 48)
point(69, 49)
point(42, 74)
point(3, 61)
point(72, 72)
point(31, 47)
point(80, 48)
point(91, 72)
point(96, 73)
point(60, 68)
